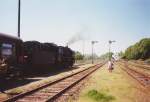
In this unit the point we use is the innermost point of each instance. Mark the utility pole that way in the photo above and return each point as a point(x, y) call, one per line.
point(93, 42)
point(19, 4)
point(83, 46)
point(110, 42)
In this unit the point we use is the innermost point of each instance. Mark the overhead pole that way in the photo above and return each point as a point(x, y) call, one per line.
point(83, 46)
point(93, 42)
point(110, 42)
point(92, 52)
point(19, 4)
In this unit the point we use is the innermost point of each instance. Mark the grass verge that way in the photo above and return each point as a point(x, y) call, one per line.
point(99, 96)
point(104, 86)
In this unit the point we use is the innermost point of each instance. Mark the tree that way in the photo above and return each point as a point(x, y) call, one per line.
point(78, 56)
point(144, 46)
point(106, 56)
point(140, 50)
point(121, 54)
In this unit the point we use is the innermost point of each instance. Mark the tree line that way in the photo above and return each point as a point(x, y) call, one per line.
point(80, 56)
point(140, 50)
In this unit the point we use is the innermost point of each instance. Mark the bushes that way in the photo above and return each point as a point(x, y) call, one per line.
point(140, 50)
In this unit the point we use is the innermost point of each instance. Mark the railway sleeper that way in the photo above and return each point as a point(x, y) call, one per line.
point(33, 98)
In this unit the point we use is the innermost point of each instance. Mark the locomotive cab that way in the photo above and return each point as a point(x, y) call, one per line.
point(65, 56)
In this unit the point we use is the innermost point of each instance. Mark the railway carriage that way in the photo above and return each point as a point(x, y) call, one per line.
point(11, 53)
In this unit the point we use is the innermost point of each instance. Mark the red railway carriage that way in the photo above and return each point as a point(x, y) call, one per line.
point(11, 52)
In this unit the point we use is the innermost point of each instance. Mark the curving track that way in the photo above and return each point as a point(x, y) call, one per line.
point(51, 91)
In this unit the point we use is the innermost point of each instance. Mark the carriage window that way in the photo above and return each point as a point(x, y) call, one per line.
point(6, 49)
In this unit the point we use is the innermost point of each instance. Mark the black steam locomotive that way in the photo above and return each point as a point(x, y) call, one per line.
point(43, 55)
point(15, 53)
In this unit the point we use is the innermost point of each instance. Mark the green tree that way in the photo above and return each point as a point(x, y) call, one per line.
point(78, 56)
point(144, 48)
point(140, 50)
point(106, 56)
point(121, 54)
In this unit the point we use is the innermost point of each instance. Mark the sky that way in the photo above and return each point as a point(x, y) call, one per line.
point(58, 21)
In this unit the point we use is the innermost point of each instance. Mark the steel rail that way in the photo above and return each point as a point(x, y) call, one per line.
point(14, 98)
point(140, 66)
point(142, 78)
point(65, 89)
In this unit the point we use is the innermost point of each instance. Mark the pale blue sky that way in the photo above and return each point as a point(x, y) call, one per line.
point(126, 21)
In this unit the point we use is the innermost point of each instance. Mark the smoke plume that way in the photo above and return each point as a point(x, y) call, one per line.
point(74, 39)
point(81, 35)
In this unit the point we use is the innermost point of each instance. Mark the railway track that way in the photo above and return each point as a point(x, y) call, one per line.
point(51, 91)
point(77, 65)
point(140, 66)
point(143, 79)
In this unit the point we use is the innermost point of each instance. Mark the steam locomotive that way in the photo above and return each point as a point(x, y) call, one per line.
point(42, 55)
point(14, 54)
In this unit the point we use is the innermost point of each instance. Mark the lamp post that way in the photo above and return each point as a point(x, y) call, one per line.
point(83, 46)
point(110, 42)
point(19, 4)
point(93, 42)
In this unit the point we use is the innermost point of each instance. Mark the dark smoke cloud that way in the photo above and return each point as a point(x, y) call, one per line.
point(74, 39)
point(81, 35)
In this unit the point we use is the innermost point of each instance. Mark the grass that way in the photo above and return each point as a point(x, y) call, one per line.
point(15, 91)
point(109, 87)
point(99, 97)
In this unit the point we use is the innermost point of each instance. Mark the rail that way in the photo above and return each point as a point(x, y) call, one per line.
point(37, 93)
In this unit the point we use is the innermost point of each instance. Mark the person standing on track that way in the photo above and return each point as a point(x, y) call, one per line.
point(110, 66)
